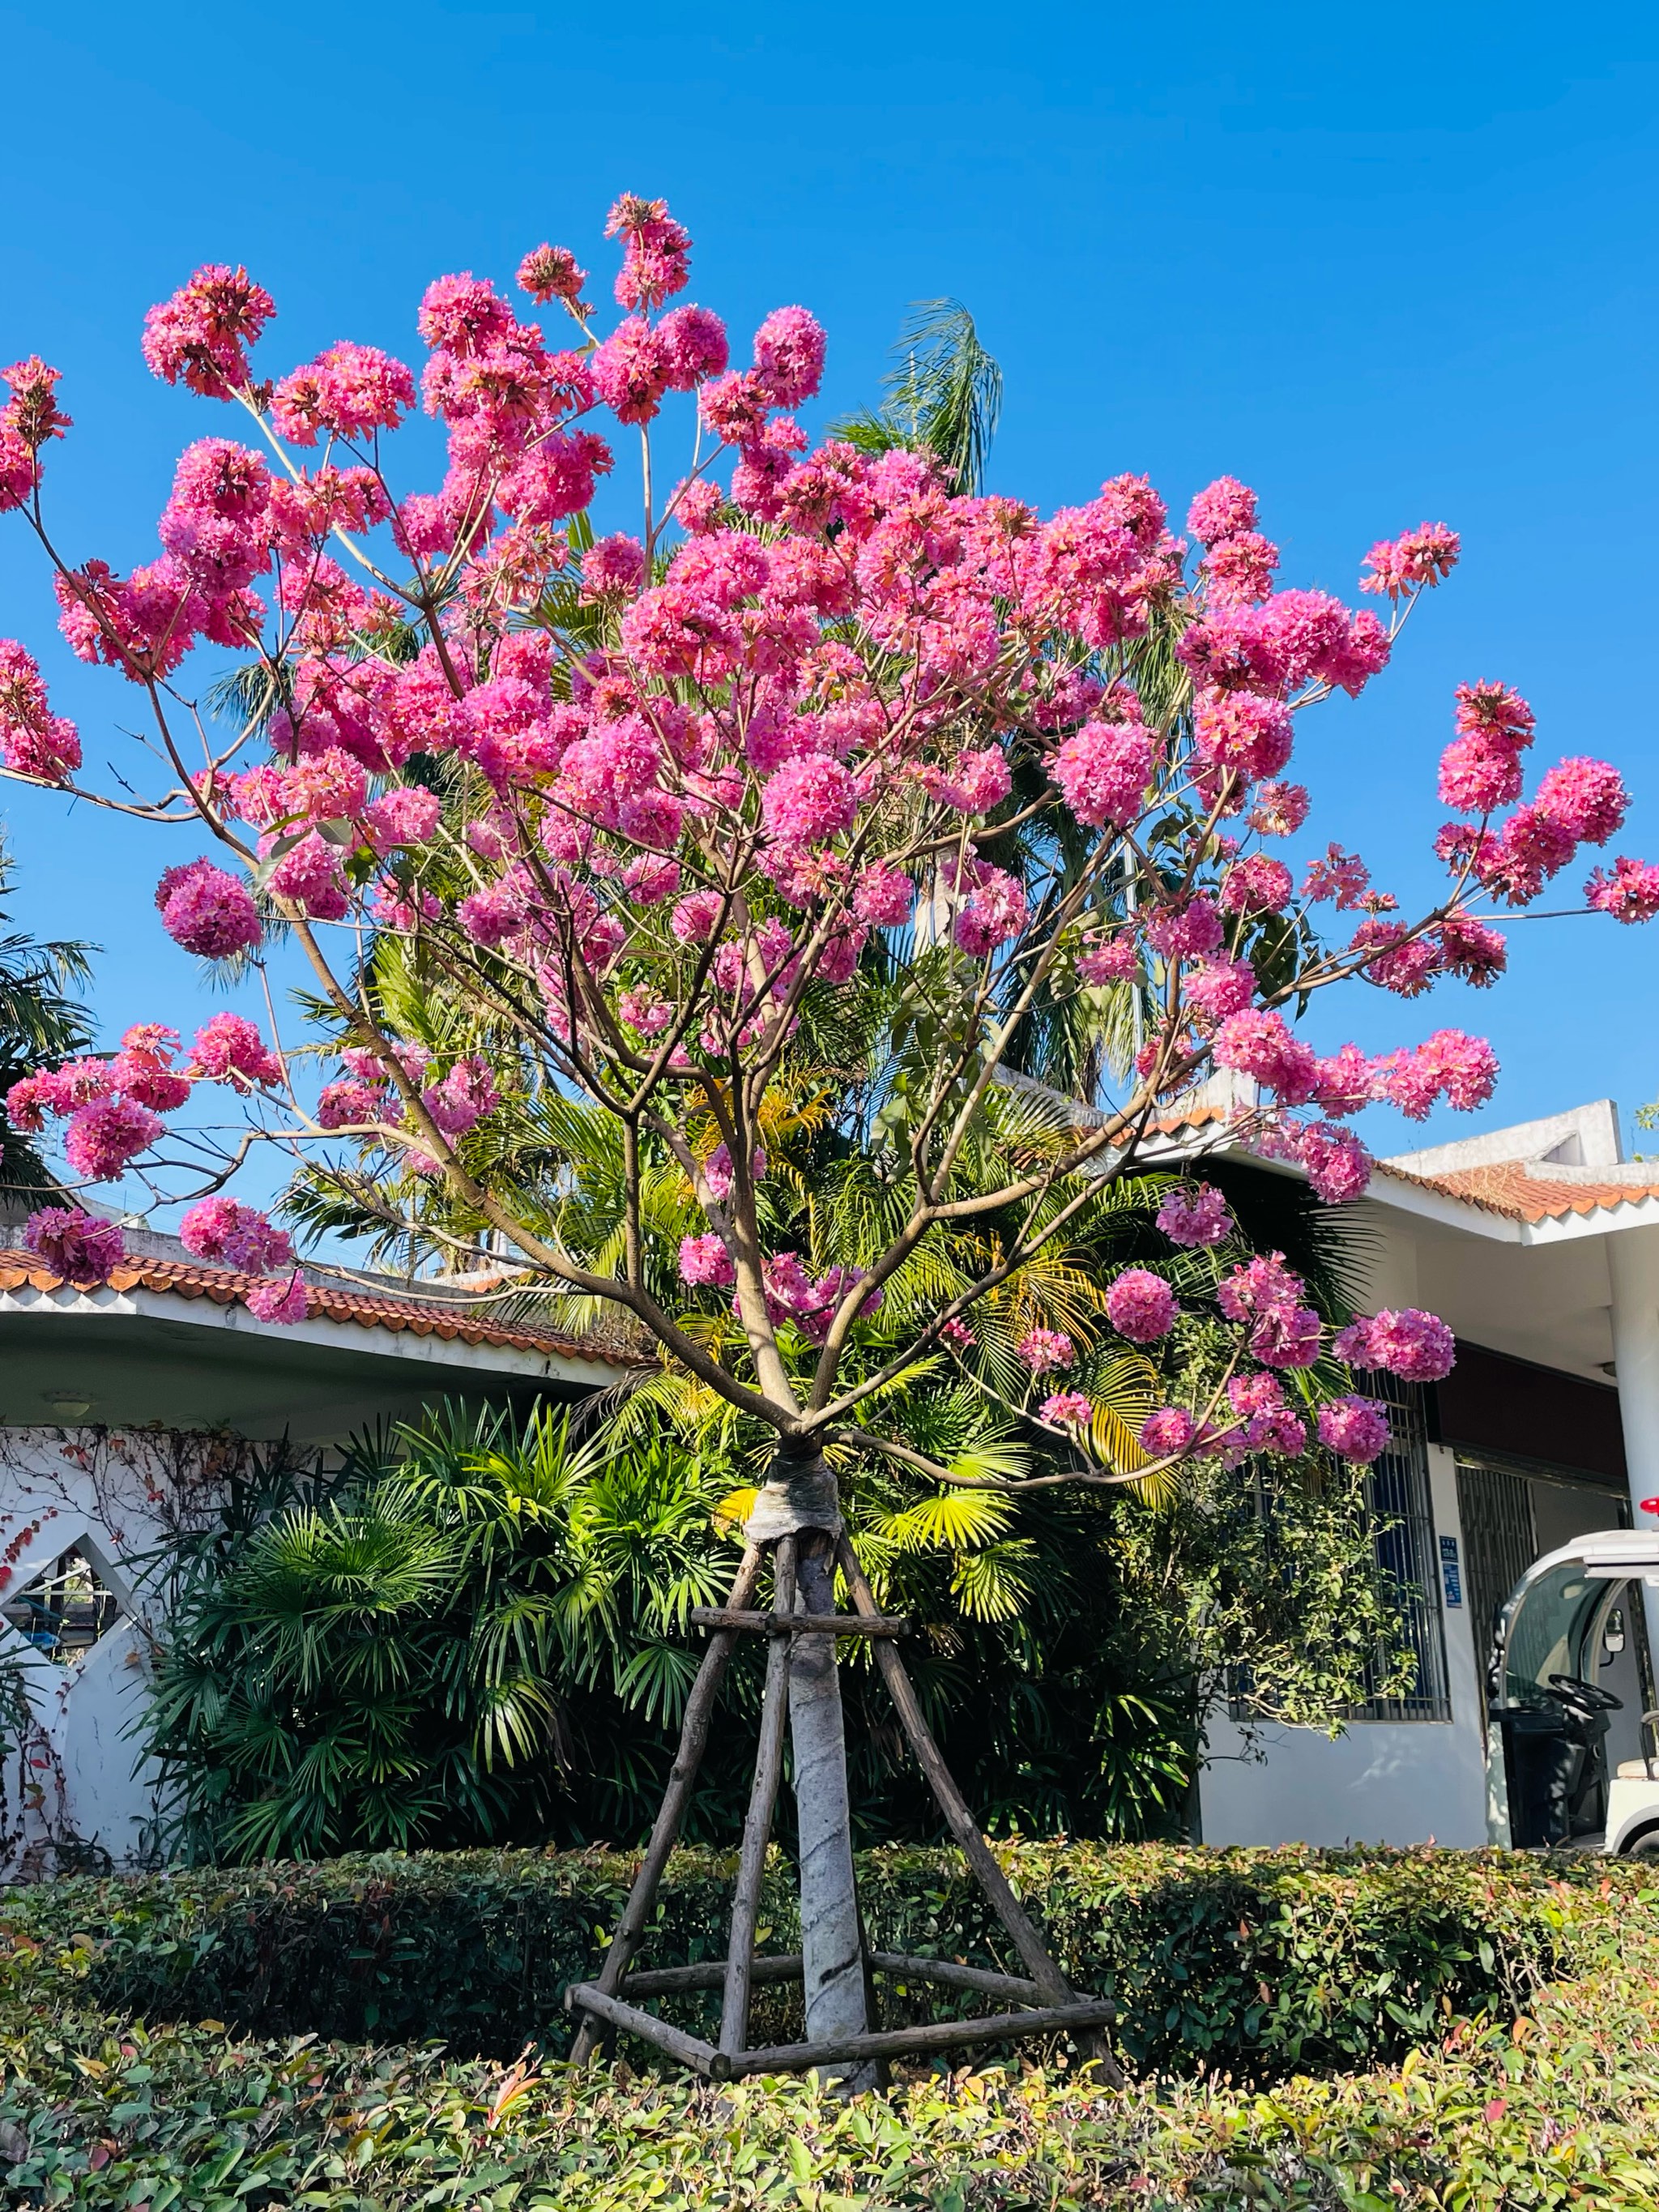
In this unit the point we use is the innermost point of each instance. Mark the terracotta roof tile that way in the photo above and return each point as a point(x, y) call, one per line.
point(1508, 1188)
point(452, 1323)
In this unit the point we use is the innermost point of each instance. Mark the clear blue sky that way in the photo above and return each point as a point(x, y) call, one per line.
point(1386, 266)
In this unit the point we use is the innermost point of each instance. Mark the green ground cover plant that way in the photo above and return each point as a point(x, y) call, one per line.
point(1538, 2088)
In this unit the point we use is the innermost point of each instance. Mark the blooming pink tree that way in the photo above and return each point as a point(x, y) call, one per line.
point(635, 809)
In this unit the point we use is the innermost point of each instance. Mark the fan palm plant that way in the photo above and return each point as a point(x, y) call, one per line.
point(42, 1023)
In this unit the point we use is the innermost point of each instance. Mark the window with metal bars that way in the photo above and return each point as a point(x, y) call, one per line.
point(1400, 1504)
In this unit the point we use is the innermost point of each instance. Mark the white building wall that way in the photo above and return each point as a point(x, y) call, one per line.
point(1380, 1782)
point(77, 1779)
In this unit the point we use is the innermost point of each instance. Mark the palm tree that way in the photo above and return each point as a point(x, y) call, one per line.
point(42, 1023)
point(944, 393)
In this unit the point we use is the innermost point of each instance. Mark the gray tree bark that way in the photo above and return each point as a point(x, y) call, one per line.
point(832, 1937)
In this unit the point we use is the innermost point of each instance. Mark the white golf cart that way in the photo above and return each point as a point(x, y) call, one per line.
point(1572, 1756)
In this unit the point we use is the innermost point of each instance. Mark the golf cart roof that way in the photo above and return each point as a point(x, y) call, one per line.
point(1629, 1551)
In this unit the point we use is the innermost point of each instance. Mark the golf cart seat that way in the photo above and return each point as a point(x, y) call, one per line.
point(1639, 1770)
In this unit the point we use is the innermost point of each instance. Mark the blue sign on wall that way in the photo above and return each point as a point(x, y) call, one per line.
point(1452, 1574)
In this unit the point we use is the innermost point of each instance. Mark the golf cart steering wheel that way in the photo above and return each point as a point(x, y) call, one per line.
point(1573, 1690)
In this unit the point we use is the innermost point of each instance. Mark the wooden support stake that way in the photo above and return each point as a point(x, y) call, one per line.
point(1033, 1951)
point(799, 1624)
point(763, 1798)
point(933, 2035)
point(595, 2003)
point(694, 1737)
point(950, 1976)
point(708, 1974)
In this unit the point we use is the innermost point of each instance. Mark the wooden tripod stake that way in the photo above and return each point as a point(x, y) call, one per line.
point(797, 1520)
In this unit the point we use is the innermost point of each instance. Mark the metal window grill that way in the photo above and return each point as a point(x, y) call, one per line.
point(66, 1611)
point(1401, 1507)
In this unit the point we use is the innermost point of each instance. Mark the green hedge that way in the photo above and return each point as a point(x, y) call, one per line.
point(1253, 1962)
point(1557, 2108)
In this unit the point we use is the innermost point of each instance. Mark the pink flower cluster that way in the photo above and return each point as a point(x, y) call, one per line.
point(792, 1294)
point(77, 1245)
point(1141, 1306)
point(222, 1229)
point(1042, 1350)
point(1414, 561)
point(1264, 1297)
point(1196, 1215)
point(1066, 1409)
point(33, 741)
point(1356, 1428)
point(1417, 1346)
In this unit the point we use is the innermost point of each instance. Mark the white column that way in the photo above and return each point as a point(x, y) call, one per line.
point(1634, 1268)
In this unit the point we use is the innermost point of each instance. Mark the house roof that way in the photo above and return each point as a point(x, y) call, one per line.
point(334, 1300)
point(1521, 1190)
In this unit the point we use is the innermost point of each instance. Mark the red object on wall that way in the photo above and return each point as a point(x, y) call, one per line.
point(1650, 1505)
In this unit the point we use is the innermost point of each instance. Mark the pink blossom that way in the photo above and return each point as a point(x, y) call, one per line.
point(197, 336)
point(1196, 1215)
point(1066, 1409)
point(1479, 771)
point(1259, 1286)
point(1118, 962)
point(1340, 876)
point(465, 1097)
point(1425, 555)
point(717, 1172)
point(1259, 1044)
point(206, 911)
point(1285, 1336)
point(1222, 509)
point(1356, 1428)
point(957, 1335)
point(222, 1229)
point(1240, 731)
point(1462, 1068)
point(328, 786)
point(1339, 1166)
point(1240, 569)
point(1346, 1082)
point(1187, 931)
point(1103, 771)
point(1141, 1306)
point(1167, 1433)
point(1415, 1346)
point(310, 875)
point(1586, 798)
point(613, 567)
point(101, 1138)
point(1220, 987)
point(697, 916)
point(33, 741)
point(994, 912)
point(789, 350)
point(349, 1103)
point(75, 1245)
point(1044, 1349)
point(1256, 884)
point(705, 1261)
point(349, 392)
point(408, 814)
point(1280, 811)
point(884, 896)
point(278, 1302)
point(631, 371)
point(550, 272)
point(1629, 893)
point(694, 346)
point(1396, 960)
point(978, 781)
point(463, 315)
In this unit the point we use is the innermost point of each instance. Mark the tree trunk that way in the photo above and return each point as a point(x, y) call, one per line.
point(831, 1936)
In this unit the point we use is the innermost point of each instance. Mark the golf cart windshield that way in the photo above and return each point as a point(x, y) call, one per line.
point(1547, 1629)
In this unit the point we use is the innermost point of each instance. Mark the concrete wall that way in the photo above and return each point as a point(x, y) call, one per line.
point(1382, 1781)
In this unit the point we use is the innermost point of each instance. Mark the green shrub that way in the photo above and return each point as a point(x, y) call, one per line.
point(1257, 1962)
point(1557, 2109)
